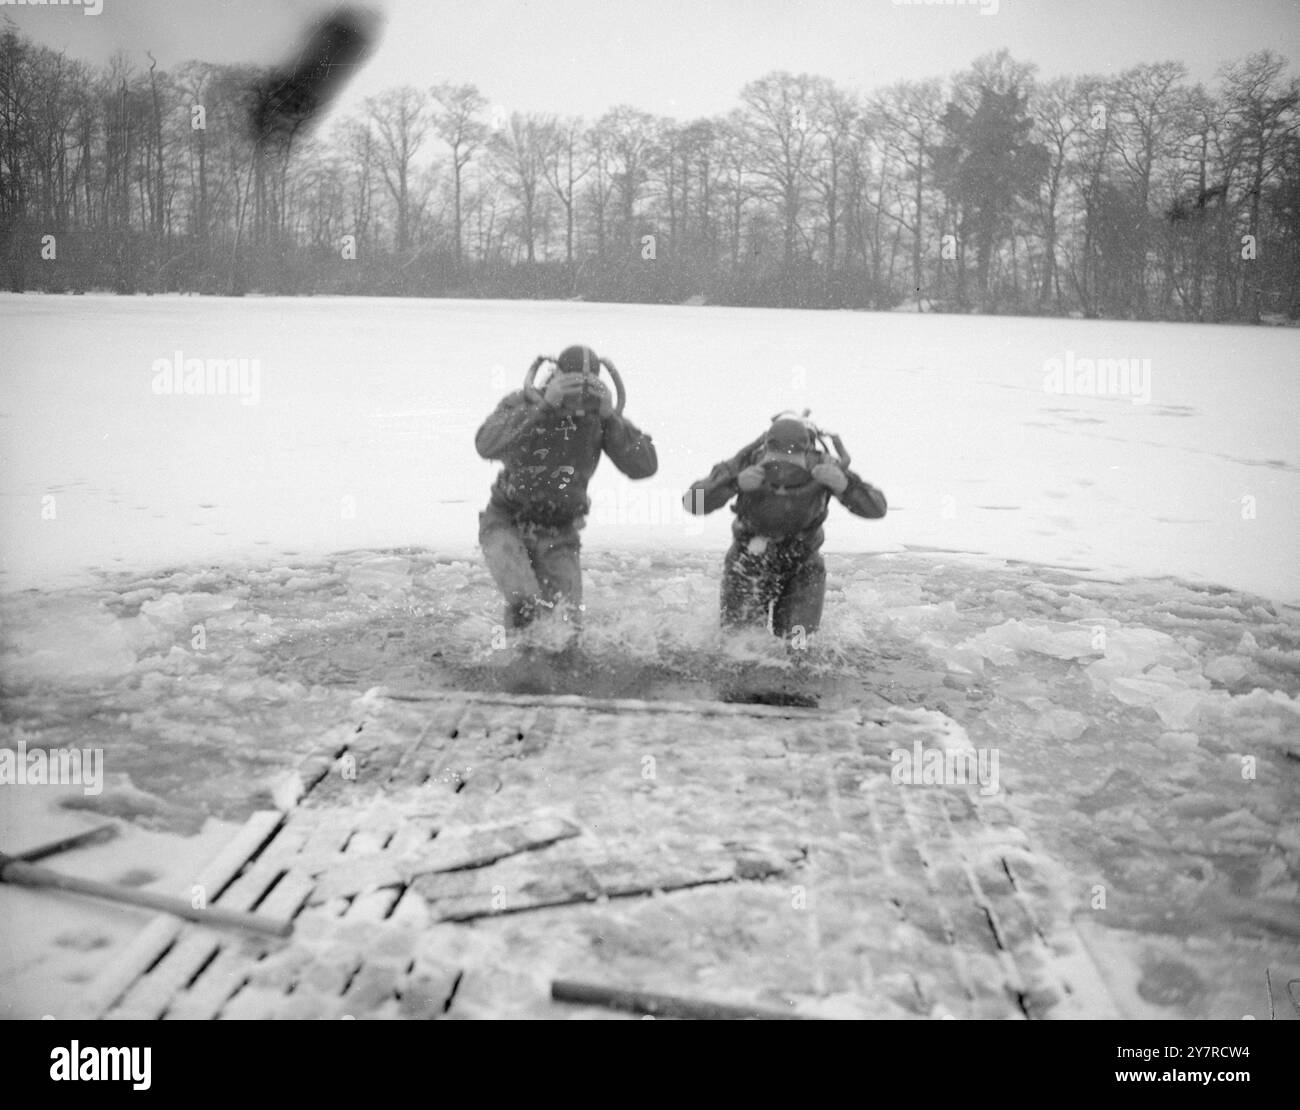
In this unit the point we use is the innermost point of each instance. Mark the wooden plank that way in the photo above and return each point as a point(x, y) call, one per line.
point(335, 907)
point(355, 877)
point(97, 835)
point(321, 759)
point(411, 910)
point(281, 971)
point(662, 1005)
point(289, 896)
point(439, 886)
point(434, 739)
point(139, 956)
point(220, 979)
point(145, 950)
point(455, 850)
point(251, 884)
point(298, 828)
point(328, 838)
point(252, 1003)
point(372, 906)
point(18, 873)
point(415, 833)
point(427, 989)
point(338, 786)
point(329, 974)
point(151, 994)
point(373, 985)
point(562, 889)
point(628, 705)
point(369, 838)
point(467, 895)
point(377, 762)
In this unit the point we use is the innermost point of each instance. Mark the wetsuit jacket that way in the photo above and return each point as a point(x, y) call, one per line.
point(550, 455)
point(790, 513)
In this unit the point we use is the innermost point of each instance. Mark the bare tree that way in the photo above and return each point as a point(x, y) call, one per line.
point(734, 178)
point(1152, 106)
point(698, 149)
point(834, 116)
point(460, 128)
point(357, 139)
point(627, 138)
point(565, 162)
point(600, 190)
point(907, 116)
point(1147, 188)
point(778, 111)
point(401, 121)
point(1059, 118)
point(1262, 111)
point(518, 154)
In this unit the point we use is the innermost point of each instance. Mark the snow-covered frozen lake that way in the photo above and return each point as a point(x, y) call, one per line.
point(1123, 716)
point(355, 430)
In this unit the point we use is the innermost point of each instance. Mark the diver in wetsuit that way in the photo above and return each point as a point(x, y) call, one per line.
point(550, 443)
point(783, 483)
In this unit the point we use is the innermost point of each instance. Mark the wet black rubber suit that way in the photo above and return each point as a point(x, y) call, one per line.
point(774, 566)
point(539, 503)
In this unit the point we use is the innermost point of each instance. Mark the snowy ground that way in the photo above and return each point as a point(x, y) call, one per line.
point(1128, 641)
point(362, 429)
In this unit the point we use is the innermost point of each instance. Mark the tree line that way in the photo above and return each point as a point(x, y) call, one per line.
point(1134, 196)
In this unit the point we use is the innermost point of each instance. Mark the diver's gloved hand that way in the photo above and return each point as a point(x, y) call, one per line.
point(599, 394)
point(563, 390)
point(750, 478)
point(830, 476)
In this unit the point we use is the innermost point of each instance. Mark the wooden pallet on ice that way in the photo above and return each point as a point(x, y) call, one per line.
point(425, 814)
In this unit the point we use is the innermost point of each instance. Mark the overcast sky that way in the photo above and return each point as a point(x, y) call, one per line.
point(682, 58)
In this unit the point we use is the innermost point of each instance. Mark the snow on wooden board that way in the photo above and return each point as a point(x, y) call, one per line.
point(455, 854)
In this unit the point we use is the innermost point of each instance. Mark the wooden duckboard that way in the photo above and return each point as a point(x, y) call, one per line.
point(430, 830)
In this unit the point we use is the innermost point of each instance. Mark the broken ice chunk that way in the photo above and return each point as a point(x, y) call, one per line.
point(1227, 670)
point(1178, 741)
point(1062, 724)
point(1060, 639)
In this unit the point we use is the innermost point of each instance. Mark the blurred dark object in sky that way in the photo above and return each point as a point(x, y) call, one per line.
point(291, 96)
